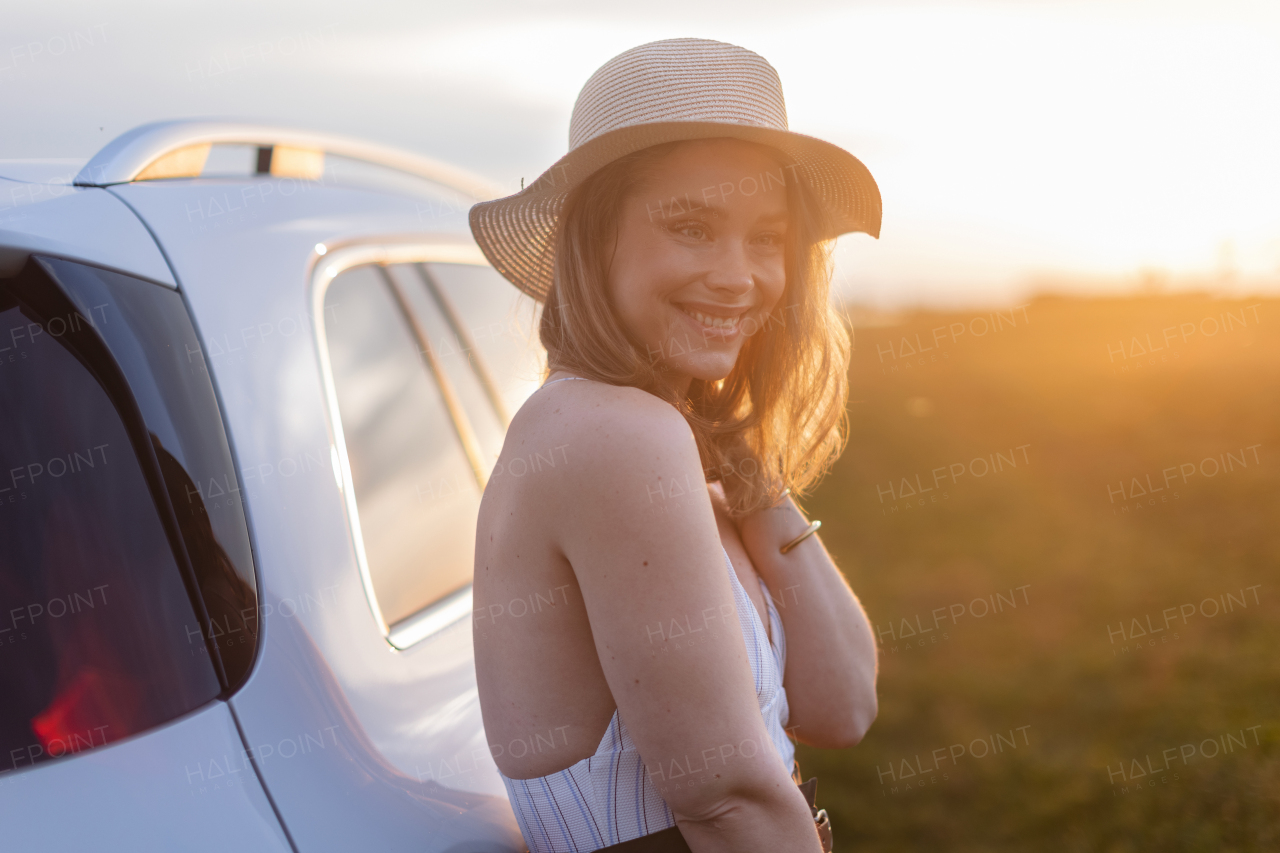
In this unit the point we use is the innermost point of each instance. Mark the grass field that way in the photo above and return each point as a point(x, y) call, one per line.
point(1024, 499)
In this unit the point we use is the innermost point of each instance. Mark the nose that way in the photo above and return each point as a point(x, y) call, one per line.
point(731, 274)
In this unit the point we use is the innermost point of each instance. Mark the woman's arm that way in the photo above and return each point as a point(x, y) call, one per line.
point(634, 520)
point(831, 651)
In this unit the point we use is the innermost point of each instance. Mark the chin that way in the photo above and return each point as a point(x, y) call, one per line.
point(708, 370)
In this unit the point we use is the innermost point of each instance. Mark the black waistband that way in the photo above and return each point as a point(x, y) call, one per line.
point(665, 841)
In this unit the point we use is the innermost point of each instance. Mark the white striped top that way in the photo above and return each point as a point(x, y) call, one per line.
point(608, 798)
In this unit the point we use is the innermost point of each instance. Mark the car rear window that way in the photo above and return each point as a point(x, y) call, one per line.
point(127, 588)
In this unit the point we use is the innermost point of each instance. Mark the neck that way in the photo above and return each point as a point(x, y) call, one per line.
point(677, 384)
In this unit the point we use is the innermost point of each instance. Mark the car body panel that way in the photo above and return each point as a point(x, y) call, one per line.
point(408, 766)
point(187, 785)
point(83, 224)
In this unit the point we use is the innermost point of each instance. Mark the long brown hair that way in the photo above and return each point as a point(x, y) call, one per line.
point(778, 419)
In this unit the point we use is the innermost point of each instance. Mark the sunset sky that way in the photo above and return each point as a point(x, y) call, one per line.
point(1085, 144)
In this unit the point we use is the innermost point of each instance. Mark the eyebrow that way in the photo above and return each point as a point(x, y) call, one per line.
point(719, 213)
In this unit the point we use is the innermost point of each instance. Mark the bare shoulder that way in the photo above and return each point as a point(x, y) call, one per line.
point(601, 430)
point(626, 469)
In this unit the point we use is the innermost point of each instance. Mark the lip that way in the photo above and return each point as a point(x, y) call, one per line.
point(711, 333)
point(715, 309)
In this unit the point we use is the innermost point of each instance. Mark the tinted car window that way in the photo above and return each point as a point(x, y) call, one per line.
point(127, 589)
point(415, 490)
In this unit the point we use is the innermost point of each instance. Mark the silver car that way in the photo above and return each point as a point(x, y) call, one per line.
point(253, 381)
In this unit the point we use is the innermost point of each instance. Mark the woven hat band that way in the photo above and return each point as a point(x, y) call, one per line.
point(679, 80)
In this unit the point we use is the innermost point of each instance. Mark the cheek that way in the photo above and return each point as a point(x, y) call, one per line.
point(626, 275)
point(773, 282)
point(660, 263)
point(643, 273)
point(622, 298)
point(634, 297)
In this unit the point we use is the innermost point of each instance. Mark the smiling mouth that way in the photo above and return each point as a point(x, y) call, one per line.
point(712, 321)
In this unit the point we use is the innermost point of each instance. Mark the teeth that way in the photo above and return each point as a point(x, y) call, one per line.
point(727, 323)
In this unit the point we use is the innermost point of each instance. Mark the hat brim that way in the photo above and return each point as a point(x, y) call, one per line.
point(516, 233)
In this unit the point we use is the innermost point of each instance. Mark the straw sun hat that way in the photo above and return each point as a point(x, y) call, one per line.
point(663, 91)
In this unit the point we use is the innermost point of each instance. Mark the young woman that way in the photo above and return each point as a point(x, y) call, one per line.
point(688, 623)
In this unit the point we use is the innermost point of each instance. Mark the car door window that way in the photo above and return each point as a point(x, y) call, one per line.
point(499, 326)
point(416, 491)
point(452, 358)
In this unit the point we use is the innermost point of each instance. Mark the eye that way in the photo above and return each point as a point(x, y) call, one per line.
point(771, 238)
point(693, 230)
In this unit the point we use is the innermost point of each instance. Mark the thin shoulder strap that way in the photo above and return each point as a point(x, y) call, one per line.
point(562, 379)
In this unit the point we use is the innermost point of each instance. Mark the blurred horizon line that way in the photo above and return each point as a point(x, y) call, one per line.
point(1033, 287)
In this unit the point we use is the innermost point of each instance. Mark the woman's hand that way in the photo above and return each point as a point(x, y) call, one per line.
point(831, 651)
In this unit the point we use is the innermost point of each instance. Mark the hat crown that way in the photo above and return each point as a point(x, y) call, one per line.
point(683, 79)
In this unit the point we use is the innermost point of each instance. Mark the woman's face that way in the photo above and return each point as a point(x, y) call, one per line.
point(700, 263)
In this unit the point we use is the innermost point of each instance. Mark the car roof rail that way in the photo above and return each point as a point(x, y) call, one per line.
point(177, 149)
